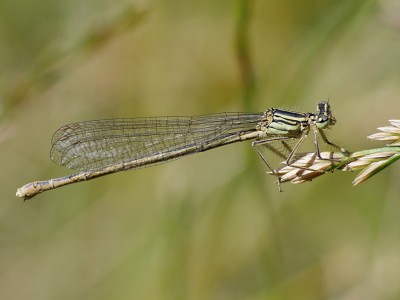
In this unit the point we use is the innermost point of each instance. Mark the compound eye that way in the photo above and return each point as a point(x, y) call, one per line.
point(322, 119)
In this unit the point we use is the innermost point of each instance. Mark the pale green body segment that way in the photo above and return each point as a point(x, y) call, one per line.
point(278, 131)
point(286, 123)
point(277, 128)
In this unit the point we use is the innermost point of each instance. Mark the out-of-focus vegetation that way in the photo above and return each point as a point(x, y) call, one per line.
point(210, 226)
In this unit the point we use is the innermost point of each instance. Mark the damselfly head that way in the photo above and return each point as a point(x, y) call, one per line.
point(324, 116)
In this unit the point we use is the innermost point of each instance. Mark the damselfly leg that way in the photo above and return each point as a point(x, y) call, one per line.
point(267, 143)
point(328, 142)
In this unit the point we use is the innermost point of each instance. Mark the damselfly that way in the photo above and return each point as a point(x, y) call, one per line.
point(100, 147)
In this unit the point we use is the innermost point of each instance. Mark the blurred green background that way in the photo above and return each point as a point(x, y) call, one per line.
point(213, 225)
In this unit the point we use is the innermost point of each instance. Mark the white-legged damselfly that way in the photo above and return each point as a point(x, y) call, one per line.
point(101, 147)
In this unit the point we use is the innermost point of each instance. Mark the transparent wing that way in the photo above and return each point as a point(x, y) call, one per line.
point(95, 144)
